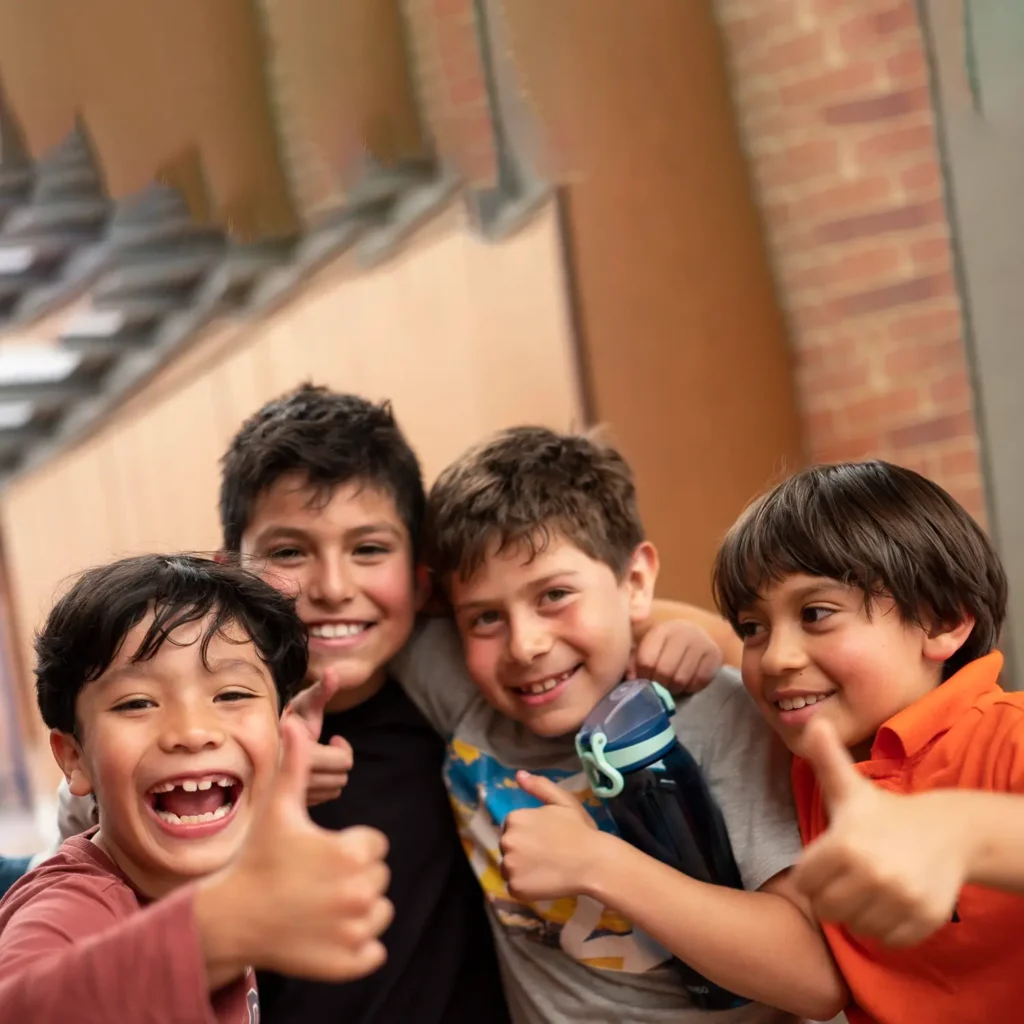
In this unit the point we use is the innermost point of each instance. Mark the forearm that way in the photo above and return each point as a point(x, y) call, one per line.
point(756, 944)
point(993, 824)
point(714, 625)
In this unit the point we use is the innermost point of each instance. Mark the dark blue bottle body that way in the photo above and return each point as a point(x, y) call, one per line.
point(660, 802)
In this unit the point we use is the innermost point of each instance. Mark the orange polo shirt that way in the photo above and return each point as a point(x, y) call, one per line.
point(968, 734)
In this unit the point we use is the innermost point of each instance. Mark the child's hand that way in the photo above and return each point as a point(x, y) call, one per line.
point(331, 762)
point(889, 867)
point(297, 899)
point(678, 654)
point(546, 850)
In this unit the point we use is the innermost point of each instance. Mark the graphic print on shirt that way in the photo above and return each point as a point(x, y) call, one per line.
point(252, 998)
point(483, 793)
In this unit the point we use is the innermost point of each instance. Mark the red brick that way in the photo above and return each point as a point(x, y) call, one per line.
point(923, 356)
point(822, 426)
point(799, 163)
point(960, 463)
point(896, 142)
point(897, 218)
point(942, 322)
point(923, 177)
point(878, 108)
point(870, 264)
point(881, 409)
point(459, 9)
point(822, 387)
point(802, 51)
point(953, 391)
point(753, 28)
point(855, 196)
point(836, 83)
point(901, 16)
point(848, 449)
point(937, 428)
point(929, 252)
point(875, 300)
point(867, 31)
point(908, 66)
point(467, 90)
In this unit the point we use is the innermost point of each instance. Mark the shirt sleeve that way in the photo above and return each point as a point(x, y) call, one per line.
point(998, 739)
point(747, 769)
point(70, 954)
point(432, 670)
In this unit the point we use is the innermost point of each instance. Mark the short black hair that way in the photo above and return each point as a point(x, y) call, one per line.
point(524, 485)
point(882, 528)
point(331, 439)
point(87, 626)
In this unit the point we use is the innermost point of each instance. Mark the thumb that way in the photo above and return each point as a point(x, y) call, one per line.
point(312, 702)
point(293, 771)
point(545, 790)
point(831, 761)
point(631, 665)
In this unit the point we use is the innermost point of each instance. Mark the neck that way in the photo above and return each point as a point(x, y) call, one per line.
point(142, 881)
point(346, 699)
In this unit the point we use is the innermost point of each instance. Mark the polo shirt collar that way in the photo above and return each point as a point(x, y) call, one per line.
point(907, 733)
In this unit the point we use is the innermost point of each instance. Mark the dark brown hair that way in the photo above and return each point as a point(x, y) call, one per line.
point(332, 439)
point(87, 626)
point(881, 528)
point(524, 486)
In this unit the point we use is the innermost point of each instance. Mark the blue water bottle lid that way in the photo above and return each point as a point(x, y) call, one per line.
point(628, 730)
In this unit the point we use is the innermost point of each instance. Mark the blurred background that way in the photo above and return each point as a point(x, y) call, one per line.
point(744, 234)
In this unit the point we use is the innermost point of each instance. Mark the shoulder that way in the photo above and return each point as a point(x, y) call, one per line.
point(988, 743)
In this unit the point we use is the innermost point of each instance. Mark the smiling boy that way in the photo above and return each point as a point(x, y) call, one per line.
point(162, 679)
point(537, 539)
point(869, 603)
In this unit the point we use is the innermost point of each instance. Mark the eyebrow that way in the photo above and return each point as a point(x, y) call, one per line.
point(282, 532)
point(143, 670)
point(540, 584)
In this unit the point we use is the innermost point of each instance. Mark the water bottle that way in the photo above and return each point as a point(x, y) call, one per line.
point(658, 799)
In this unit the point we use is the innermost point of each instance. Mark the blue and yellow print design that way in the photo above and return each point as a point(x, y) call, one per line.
point(483, 793)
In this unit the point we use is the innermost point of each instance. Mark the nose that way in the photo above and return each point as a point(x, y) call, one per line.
point(191, 730)
point(528, 639)
point(784, 653)
point(331, 582)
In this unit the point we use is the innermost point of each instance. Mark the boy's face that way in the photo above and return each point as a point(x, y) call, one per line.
point(349, 562)
point(177, 753)
point(810, 647)
point(546, 639)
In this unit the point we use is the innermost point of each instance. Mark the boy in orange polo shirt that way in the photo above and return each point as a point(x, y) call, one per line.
point(869, 603)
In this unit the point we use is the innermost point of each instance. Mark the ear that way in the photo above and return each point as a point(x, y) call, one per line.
point(640, 577)
point(942, 642)
point(68, 754)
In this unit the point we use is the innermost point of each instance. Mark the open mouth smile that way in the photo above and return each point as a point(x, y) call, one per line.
point(203, 802)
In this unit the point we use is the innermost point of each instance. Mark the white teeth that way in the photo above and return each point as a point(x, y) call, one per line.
point(795, 703)
point(191, 785)
point(336, 630)
point(194, 819)
point(547, 684)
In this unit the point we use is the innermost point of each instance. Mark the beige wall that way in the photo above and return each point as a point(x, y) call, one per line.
point(464, 337)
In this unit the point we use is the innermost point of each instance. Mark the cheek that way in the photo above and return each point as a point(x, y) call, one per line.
point(482, 658)
point(288, 581)
point(391, 587)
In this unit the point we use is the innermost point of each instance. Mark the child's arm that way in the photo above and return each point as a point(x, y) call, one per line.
point(298, 899)
point(891, 866)
point(761, 945)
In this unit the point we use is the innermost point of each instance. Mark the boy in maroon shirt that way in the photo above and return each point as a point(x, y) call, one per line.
point(162, 679)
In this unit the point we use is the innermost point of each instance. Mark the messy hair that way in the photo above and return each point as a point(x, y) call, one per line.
point(331, 439)
point(522, 487)
point(87, 627)
point(881, 528)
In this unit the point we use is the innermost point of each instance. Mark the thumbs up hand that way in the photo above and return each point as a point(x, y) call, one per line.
point(547, 851)
point(331, 762)
point(297, 898)
point(889, 867)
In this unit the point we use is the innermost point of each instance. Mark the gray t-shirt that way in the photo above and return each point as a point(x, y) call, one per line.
point(573, 960)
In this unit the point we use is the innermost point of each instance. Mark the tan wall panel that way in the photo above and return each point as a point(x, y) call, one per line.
point(464, 337)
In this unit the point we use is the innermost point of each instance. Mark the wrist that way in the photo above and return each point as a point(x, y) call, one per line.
point(605, 866)
point(225, 938)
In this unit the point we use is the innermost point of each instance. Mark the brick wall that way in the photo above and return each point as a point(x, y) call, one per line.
point(444, 45)
point(834, 107)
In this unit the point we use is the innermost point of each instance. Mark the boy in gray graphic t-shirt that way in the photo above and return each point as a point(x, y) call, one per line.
point(537, 540)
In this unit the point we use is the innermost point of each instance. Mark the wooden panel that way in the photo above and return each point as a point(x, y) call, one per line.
point(681, 331)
